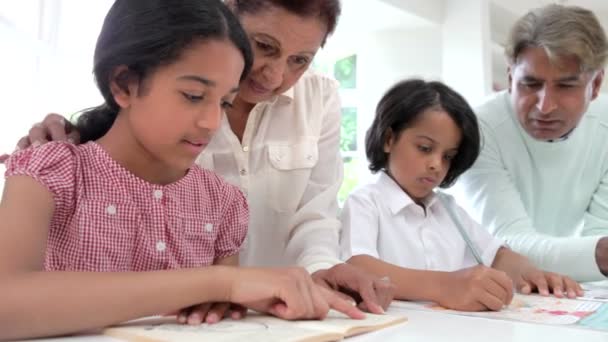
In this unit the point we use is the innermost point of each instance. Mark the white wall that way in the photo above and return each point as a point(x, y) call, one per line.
point(467, 55)
point(388, 56)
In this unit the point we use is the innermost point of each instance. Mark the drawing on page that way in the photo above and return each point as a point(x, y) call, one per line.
point(533, 309)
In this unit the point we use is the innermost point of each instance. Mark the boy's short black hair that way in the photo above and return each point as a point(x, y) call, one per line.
point(400, 107)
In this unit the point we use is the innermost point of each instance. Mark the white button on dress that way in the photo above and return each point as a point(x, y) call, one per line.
point(158, 194)
point(161, 246)
point(209, 227)
point(111, 209)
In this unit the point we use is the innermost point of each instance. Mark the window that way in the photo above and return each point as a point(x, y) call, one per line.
point(47, 62)
point(344, 69)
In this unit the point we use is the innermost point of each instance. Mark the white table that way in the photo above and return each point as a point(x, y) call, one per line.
point(434, 326)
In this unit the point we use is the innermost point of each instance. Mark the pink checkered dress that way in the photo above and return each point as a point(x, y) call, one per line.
point(106, 219)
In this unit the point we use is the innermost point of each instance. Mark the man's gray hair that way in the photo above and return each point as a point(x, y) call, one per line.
point(562, 31)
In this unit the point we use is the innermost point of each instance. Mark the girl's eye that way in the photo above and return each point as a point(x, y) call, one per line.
point(449, 157)
point(424, 149)
point(192, 98)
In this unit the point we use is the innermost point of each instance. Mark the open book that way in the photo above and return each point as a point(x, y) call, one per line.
point(253, 328)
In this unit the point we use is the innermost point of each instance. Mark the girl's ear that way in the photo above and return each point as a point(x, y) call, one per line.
point(123, 86)
point(389, 139)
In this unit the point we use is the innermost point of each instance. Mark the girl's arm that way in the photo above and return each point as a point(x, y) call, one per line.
point(232, 260)
point(213, 312)
point(37, 303)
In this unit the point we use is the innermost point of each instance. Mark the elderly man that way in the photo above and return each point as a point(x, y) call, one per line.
point(541, 181)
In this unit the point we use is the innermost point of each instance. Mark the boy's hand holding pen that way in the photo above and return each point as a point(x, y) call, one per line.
point(477, 288)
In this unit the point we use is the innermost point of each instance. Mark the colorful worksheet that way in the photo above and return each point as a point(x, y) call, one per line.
point(534, 309)
point(597, 291)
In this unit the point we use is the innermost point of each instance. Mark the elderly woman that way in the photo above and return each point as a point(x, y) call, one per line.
point(279, 143)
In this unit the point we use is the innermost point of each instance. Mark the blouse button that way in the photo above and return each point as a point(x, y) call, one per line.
point(161, 246)
point(209, 227)
point(111, 209)
point(245, 148)
point(158, 194)
point(309, 157)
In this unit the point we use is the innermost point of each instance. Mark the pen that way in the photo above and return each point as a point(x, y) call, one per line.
point(463, 233)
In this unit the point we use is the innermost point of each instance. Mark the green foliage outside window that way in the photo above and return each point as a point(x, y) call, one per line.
point(348, 131)
point(345, 71)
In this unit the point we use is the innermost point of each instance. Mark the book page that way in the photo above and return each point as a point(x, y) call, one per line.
point(533, 309)
point(253, 328)
point(337, 322)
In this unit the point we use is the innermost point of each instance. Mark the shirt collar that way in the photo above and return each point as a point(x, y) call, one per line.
point(396, 198)
point(288, 93)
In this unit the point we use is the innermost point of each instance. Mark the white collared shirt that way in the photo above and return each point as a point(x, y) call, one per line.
point(382, 221)
point(289, 167)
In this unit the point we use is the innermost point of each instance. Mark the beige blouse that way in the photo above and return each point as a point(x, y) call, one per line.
point(290, 169)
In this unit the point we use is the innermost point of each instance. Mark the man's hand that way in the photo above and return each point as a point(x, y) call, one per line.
point(372, 293)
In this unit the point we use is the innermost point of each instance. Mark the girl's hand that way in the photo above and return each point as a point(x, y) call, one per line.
point(210, 313)
point(476, 288)
point(287, 293)
point(532, 279)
